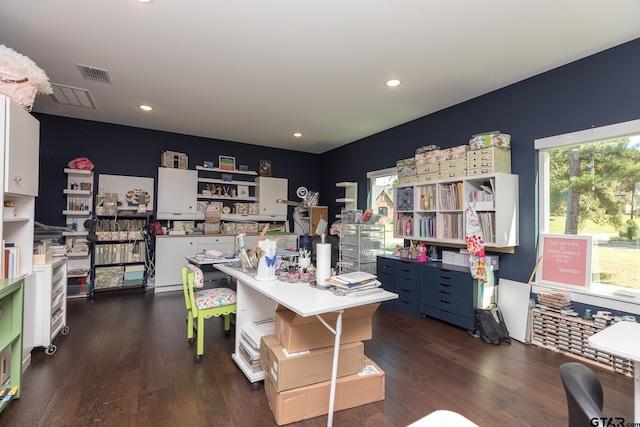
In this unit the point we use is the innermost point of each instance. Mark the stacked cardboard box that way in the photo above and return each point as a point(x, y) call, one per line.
point(297, 362)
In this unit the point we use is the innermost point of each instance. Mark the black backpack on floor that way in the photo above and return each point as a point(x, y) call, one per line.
point(491, 326)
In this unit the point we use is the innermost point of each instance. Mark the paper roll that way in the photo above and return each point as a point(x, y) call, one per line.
point(323, 262)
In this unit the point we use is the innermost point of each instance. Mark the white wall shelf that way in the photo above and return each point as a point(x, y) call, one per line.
point(350, 199)
point(77, 285)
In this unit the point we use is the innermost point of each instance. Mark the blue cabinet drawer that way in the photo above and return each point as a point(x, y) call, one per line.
point(463, 299)
point(386, 264)
point(448, 288)
point(453, 279)
point(464, 310)
point(447, 316)
point(408, 270)
point(385, 276)
point(407, 285)
point(408, 305)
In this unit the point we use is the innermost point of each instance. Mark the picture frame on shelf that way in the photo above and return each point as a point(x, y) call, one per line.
point(243, 168)
point(243, 191)
point(265, 168)
point(208, 164)
point(227, 163)
point(226, 177)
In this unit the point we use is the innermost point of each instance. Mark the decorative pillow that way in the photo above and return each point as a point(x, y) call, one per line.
point(198, 276)
point(217, 297)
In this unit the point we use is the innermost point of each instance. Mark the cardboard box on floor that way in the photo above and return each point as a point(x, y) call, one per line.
point(298, 333)
point(313, 400)
point(288, 370)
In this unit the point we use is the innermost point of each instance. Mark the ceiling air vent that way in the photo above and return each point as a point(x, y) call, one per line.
point(72, 96)
point(94, 74)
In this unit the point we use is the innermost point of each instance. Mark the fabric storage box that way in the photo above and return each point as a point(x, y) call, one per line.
point(488, 160)
point(174, 159)
point(458, 152)
point(427, 157)
point(406, 167)
point(292, 370)
point(297, 333)
point(254, 209)
point(495, 139)
point(241, 208)
point(312, 401)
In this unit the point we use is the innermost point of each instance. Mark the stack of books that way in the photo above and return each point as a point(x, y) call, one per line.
point(355, 284)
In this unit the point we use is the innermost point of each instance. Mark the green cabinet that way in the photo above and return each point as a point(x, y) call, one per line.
point(11, 306)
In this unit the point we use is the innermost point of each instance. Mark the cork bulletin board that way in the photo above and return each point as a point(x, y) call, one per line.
point(131, 190)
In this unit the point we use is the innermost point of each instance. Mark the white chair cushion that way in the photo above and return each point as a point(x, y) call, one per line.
point(216, 297)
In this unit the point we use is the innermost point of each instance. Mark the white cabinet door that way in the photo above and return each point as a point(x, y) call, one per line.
point(33, 312)
point(177, 193)
point(170, 258)
point(22, 143)
point(268, 190)
point(224, 244)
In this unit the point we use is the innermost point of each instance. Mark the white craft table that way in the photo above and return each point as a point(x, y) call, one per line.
point(623, 339)
point(257, 300)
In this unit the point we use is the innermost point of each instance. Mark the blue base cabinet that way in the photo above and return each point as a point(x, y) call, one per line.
point(442, 291)
point(386, 272)
point(449, 293)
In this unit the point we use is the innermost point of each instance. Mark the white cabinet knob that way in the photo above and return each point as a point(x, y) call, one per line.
point(17, 178)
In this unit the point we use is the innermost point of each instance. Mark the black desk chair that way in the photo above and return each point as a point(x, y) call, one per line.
point(584, 393)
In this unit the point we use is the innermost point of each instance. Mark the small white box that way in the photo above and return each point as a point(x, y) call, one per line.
point(455, 258)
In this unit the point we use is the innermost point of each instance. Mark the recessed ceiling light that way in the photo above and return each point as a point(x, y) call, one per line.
point(145, 107)
point(145, 1)
point(393, 83)
point(297, 134)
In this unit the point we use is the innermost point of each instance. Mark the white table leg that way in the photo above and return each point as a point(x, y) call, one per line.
point(334, 368)
point(636, 392)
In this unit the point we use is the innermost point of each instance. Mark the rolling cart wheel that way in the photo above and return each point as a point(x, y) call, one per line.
point(50, 350)
point(192, 341)
point(64, 330)
point(227, 333)
point(256, 386)
point(197, 359)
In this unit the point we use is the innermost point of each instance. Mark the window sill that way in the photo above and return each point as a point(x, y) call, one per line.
point(608, 301)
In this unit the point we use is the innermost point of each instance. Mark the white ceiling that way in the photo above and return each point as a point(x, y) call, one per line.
point(256, 71)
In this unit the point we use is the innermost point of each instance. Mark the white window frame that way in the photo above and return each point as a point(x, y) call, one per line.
point(372, 175)
point(596, 297)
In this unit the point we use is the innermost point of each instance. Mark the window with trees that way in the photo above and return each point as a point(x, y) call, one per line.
point(589, 184)
point(380, 199)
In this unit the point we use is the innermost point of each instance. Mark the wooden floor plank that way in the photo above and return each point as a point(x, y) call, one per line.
point(126, 362)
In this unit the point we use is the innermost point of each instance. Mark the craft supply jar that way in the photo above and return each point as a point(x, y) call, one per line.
point(283, 275)
point(304, 262)
point(292, 277)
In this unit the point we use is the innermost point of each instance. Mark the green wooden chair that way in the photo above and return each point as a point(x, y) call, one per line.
point(204, 304)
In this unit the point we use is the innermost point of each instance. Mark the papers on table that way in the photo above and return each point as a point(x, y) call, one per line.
point(355, 284)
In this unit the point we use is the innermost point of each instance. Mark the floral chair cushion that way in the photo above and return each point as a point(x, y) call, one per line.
point(217, 297)
point(198, 276)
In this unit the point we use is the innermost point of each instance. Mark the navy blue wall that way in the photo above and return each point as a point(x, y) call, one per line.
point(599, 90)
point(122, 150)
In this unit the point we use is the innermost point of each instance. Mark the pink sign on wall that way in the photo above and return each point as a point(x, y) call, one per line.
point(566, 260)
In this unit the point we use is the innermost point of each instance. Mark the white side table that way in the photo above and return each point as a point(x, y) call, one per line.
point(623, 339)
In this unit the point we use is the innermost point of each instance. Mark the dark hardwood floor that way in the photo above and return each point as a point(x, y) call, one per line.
point(126, 362)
